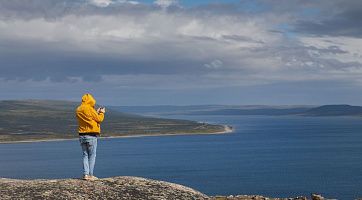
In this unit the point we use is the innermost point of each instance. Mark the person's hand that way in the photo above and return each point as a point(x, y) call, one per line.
point(102, 110)
point(98, 110)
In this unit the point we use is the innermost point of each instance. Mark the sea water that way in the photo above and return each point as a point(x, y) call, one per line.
point(276, 156)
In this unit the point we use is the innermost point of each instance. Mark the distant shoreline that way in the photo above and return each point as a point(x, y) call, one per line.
point(227, 129)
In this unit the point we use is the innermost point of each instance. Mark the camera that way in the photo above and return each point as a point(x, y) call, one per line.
point(101, 109)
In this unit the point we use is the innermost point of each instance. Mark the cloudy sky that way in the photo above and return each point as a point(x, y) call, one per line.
point(151, 52)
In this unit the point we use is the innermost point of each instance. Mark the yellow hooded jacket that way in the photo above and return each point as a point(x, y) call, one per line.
point(88, 118)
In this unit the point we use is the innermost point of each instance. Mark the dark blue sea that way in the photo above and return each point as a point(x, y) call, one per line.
point(277, 156)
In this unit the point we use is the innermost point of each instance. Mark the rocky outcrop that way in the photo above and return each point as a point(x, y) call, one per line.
point(258, 197)
point(123, 187)
point(108, 188)
point(253, 197)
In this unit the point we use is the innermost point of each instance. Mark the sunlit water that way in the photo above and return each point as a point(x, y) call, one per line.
point(272, 156)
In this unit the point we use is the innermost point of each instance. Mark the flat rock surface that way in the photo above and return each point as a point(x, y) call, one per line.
point(108, 188)
point(122, 187)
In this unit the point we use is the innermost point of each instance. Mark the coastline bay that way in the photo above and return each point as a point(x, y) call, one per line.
point(277, 156)
point(44, 120)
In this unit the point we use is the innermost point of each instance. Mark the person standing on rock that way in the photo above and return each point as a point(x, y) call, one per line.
point(89, 120)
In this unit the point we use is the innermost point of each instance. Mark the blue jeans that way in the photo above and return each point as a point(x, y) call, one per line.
point(89, 147)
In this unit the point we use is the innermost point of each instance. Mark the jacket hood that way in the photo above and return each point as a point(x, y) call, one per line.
point(88, 99)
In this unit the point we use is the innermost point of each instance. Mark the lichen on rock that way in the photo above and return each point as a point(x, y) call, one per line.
point(121, 187)
point(108, 188)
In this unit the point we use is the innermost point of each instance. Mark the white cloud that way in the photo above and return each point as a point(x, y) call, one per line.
point(352, 47)
point(165, 3)
point(133, 2)
point(106, 3)
point(215, 64)
point(101, 3)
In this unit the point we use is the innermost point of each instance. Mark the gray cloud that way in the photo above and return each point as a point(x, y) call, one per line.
point(330, 49)
point(82, 46)
point(346, 23)
point(52, 10)
point(28, 9)
point(241, 38)
point(121, 44)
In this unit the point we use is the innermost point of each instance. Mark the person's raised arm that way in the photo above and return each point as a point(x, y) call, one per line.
point(98, 117)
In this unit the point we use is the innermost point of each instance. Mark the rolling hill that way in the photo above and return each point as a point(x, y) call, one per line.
point(325, 110)
point(335, 110)
point(47, 119)
point(214, 110)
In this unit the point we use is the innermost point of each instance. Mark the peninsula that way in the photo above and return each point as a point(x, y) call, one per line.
point(44, 120)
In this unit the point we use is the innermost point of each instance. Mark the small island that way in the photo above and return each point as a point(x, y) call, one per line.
point(46, 120)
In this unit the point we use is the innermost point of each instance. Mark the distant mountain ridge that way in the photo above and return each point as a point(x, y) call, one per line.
point(335, 110)
point(303, 110)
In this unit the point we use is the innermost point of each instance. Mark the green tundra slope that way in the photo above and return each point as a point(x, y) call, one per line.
point(45, 119)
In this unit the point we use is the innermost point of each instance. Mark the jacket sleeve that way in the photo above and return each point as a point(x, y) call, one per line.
point(97, 117)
